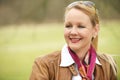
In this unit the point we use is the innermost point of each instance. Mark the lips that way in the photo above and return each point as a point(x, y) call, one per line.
point(75, 40)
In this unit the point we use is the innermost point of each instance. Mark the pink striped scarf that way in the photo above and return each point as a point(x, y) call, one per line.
point(85, 71)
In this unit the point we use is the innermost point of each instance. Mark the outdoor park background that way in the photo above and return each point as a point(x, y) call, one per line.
point(32, 28)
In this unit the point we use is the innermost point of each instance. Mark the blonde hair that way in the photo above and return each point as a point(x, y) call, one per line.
point(89, 9)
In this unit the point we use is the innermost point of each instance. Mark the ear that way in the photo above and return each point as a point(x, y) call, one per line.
point(96, 30)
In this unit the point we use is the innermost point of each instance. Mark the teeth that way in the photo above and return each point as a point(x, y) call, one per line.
point(74, 40)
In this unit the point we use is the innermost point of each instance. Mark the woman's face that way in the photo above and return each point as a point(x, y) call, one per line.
point(78, 30)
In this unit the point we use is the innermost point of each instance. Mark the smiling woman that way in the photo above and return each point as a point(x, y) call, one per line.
point(78, 57)
point(79, 31)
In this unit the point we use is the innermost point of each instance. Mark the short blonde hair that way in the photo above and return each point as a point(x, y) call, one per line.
point(89, 9)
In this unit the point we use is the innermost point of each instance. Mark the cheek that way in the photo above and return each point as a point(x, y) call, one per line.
point(66, 35)
point(87, 33)
point(66, 32)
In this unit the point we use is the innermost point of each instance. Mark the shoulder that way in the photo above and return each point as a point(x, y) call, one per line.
point(51, 57)
point(108, 60)
point(44, 66)
point(105, 57)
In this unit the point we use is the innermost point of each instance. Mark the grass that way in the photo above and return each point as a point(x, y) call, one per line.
point(21, 44)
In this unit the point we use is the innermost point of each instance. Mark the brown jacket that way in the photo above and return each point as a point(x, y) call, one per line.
point(48, 68)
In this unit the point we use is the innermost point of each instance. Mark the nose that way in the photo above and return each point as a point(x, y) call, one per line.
point(73, 31)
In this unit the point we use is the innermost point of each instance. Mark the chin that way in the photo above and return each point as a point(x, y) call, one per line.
point(74, 47)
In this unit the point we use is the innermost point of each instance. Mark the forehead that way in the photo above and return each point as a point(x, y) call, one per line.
point(76, 15)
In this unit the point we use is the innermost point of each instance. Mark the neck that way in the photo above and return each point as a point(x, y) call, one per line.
point(81, 53)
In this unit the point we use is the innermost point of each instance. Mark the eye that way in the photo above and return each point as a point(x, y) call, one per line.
point(80, 26)
point(68, 26)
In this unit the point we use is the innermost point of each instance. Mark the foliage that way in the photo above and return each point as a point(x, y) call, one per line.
point(19, 11)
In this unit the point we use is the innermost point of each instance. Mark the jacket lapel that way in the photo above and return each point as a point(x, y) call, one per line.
point(98, 73)
point(65, 73)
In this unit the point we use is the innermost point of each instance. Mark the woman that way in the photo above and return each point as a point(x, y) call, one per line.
point(78, 59)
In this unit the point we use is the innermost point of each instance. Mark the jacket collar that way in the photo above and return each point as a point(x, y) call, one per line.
point(66, 59)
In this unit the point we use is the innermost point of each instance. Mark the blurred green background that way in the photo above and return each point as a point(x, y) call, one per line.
point(32, 28)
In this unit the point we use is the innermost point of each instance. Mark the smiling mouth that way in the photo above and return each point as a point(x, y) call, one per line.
point(75, 40)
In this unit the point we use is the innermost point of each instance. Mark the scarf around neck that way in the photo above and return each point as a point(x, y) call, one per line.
point(85, 71)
